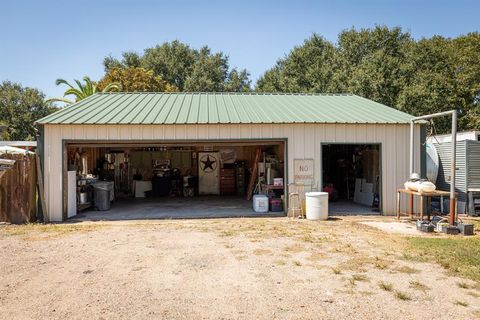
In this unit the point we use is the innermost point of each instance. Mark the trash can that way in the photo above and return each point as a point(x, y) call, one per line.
point(110, 185)
point(101, 197)
point(316, 205)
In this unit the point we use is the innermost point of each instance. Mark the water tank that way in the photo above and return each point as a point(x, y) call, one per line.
point(316, 205)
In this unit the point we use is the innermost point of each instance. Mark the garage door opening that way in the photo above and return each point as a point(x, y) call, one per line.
point(351, 176)
point(171, 180)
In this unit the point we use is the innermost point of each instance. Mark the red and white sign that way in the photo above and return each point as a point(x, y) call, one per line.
point(303, 171)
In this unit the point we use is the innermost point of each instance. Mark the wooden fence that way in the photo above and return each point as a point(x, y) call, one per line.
point(18, 192)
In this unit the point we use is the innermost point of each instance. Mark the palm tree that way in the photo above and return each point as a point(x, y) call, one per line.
point(83, 91)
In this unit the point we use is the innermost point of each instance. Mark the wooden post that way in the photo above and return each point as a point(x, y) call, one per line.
point(253, 177)
point(41, 193)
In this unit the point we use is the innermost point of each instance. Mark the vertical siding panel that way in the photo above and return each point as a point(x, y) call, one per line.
point(202, 132)
point(278, 131)
point(256, 131)
point(136, 132)
point(224, 132)
point(319, 139)
point(156, 133)
point(371, 134)
point(190, 132)
point(245, 131)
point(289, 133)
point(168, 132)
point(330, 133)
point(309, 141)
point(235, 131)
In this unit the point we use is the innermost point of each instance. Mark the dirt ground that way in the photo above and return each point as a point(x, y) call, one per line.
point(245, 268)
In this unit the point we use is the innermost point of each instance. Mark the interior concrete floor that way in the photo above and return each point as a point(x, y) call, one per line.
point(175, 208)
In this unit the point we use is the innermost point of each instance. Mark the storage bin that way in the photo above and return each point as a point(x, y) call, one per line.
point(260, 203)
point(276, 205)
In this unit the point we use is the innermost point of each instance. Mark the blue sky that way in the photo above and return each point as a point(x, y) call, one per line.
point(44, 40)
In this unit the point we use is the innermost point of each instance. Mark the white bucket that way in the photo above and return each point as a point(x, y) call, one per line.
point(316, 205)
point(260, 203)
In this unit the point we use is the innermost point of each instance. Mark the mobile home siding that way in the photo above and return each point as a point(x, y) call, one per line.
point(303, 142)
point(473, 164)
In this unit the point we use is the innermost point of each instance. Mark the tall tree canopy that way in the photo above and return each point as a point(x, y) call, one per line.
point(134, 79)
point(20, 107)
point(388, 66)
point(185, 68)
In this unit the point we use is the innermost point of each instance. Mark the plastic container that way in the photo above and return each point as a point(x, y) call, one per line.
point(101, 197)
point(466, 229)
point(260, 203)
point(316, 205)
point(108, 185)
point(276, 205)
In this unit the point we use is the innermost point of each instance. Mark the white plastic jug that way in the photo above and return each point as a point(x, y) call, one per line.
point(260, 203)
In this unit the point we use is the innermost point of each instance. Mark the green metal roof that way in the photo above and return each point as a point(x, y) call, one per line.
point(211, 108)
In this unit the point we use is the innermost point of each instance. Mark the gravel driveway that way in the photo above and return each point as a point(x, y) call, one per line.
point(250, 268)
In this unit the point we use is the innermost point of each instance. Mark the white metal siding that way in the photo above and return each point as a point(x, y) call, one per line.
point(304, 142)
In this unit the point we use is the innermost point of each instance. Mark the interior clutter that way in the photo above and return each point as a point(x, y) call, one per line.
point(351, 173)
point(97, 176)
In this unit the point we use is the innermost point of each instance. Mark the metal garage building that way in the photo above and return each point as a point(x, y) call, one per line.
point(330, 131)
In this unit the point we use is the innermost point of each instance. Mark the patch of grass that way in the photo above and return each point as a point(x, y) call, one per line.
point(357, 278)
point(309, 238)
point(407, 270)
point(297, 263)
point(48, 230)
point(294, 248)
point(460, 303)
point(316, 256)
point(381, 263)
point(356, 264)
point(457, 254)
point(385, 286)
point(337, 270)
point(418, 285)
point(463, 285)
point(280, 262)
point(402, 296)
point(474, 294)
point(227, 233)
point(261, 252)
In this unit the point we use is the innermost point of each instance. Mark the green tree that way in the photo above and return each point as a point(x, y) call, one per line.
point(372, 62)
point(172, 61)
point(130, 59)
point(209, 72)
point(185, 68)
point(388, 66)
point(134, 79)
point(20, 107)
point(307, 68)
point(238, 81)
